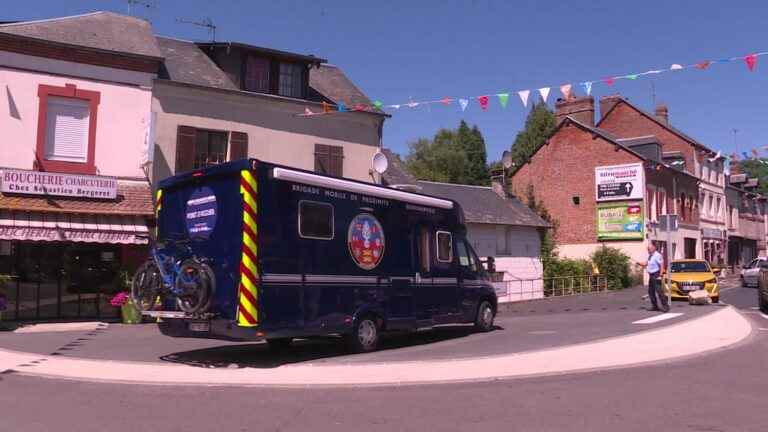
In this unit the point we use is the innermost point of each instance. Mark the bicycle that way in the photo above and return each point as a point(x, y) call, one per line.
point(183, 276)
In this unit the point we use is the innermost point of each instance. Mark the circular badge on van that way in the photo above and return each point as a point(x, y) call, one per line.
point(365, 239)
point(201, 213)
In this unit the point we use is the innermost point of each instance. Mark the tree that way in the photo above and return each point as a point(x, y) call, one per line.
point(453, 156)
point(539, 125)
point(757, 168)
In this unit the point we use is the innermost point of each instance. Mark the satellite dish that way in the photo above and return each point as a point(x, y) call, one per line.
point(506, 159)
point(380, 162)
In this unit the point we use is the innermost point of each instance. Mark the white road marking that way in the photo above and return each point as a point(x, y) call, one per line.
point(657, 318)
point(542, 332)
point(755, 308)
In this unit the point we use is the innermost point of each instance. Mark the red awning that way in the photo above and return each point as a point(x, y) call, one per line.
point(88, 228)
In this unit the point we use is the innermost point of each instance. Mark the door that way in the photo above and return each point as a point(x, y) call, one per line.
point(400, 310)
point(470, 281)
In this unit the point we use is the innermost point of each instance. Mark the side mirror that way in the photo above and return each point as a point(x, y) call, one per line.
point(490, 264)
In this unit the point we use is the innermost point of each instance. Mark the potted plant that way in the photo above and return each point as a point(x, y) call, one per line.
point(123, 300)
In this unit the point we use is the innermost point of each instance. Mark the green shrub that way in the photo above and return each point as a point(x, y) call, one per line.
point(613, 264)
point(562, 267)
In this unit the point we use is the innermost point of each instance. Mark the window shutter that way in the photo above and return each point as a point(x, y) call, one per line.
point(185, 148)
point(337, 161)
point(67, 126)
point(322, 159)
point(238, 145)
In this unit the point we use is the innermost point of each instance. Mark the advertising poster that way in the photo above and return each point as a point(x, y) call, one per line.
point(620, 221)
point(619, 182)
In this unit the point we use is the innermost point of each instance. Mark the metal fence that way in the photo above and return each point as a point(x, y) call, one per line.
point(531, 289)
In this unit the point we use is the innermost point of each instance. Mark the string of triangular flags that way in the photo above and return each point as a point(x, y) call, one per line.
point(750, 60)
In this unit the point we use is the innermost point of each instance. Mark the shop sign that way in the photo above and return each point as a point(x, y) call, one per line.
point(59, 234)
point(711, 233)
point(57, 184)
point(619, 182)
point(620, 221)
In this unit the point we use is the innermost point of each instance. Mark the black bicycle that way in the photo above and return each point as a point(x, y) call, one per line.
point(174, 272)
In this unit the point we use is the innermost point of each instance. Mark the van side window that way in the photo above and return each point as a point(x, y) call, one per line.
point(444, 246)
point(424, 256)
point(315, 220)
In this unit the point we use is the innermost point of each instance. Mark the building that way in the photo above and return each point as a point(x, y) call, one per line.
point(221, 101)
point(603, 190)
point(75, 203)
point(498, 224)
point(623, 119)
point(746, 221)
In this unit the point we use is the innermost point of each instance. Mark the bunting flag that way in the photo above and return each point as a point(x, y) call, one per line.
point(524, 96)
point(567, 89)
point(751, 60)
point(544, 92)
point(483, 102)
point(503, 99)
point(745, 155)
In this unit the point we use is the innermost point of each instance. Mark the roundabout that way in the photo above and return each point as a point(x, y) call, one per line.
point(557, 336)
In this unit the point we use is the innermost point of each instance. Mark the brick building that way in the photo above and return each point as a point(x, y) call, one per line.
point(563, 173)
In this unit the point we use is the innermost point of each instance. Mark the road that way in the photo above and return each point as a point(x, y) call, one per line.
point(721, 391)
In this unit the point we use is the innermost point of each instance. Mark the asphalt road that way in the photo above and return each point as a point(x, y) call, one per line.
point(723, 391)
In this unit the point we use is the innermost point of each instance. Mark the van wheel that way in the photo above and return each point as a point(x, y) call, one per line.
point(279, 344)
point(365, 335)
point(484, 319)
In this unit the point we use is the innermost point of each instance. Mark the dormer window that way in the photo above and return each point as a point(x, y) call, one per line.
point(291, 80)
point(256, 77)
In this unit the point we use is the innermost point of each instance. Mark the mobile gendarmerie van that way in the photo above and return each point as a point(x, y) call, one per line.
point(294, 254)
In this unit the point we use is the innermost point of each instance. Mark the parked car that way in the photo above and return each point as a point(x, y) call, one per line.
point(750, 273)
point(691, 275)
point(762, 287)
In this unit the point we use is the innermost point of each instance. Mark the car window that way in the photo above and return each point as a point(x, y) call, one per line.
point(752, 264)
point(690, 267)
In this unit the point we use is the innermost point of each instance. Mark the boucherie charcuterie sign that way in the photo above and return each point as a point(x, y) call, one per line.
point(45, 183)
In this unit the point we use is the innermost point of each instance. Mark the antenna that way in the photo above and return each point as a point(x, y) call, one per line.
point(653, 94)
point(143, 3)
point(205, 22)
point(735, 143)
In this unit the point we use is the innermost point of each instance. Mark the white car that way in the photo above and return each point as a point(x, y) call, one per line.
point(751, 272)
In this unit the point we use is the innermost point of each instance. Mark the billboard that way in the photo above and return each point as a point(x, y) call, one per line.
point(620, 221)
point(619, 182)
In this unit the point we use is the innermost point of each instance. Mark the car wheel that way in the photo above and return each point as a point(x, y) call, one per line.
point(716, 299)
point(365, 335)
point(743, 282)
point(484, 318)
point(762, 297)
point(279, 344)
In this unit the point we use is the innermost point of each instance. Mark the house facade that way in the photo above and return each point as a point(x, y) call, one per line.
point(216, 102)
point(746, 221)
point(75, 201)
point(603, 190)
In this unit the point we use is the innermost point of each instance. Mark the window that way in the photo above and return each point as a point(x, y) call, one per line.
point(210, 148)
point(329, 160)
point(717, 208)
point(315, 220)
point(461, 250)
point(257, 74)
point(444, 246)
point(66, 129)
point(291, 80)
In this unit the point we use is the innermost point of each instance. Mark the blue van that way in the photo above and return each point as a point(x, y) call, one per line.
point(289, 253)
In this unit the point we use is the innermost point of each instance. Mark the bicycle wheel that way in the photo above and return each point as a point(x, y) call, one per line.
point(145, 286)
point(195, 285)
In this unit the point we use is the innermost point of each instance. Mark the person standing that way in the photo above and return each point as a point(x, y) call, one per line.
point(653, 267)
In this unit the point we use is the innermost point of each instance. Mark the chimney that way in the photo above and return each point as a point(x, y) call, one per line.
point(662, 113)
point(499, 182)
point(581, 109)
point(607, 102)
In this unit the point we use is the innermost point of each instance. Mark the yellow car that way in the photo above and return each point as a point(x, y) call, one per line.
point(691, 275)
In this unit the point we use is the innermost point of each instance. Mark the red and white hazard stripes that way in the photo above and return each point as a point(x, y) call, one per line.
point(248, 296)
point(158, 206)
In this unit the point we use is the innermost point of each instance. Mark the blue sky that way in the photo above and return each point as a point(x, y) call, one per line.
point(398, 50)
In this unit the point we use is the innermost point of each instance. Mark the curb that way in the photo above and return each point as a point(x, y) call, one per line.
point(721, 329)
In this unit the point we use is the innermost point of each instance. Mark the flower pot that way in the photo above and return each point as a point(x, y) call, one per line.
point(130, 313)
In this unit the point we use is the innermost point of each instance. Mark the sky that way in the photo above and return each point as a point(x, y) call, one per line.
point(398, 51)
